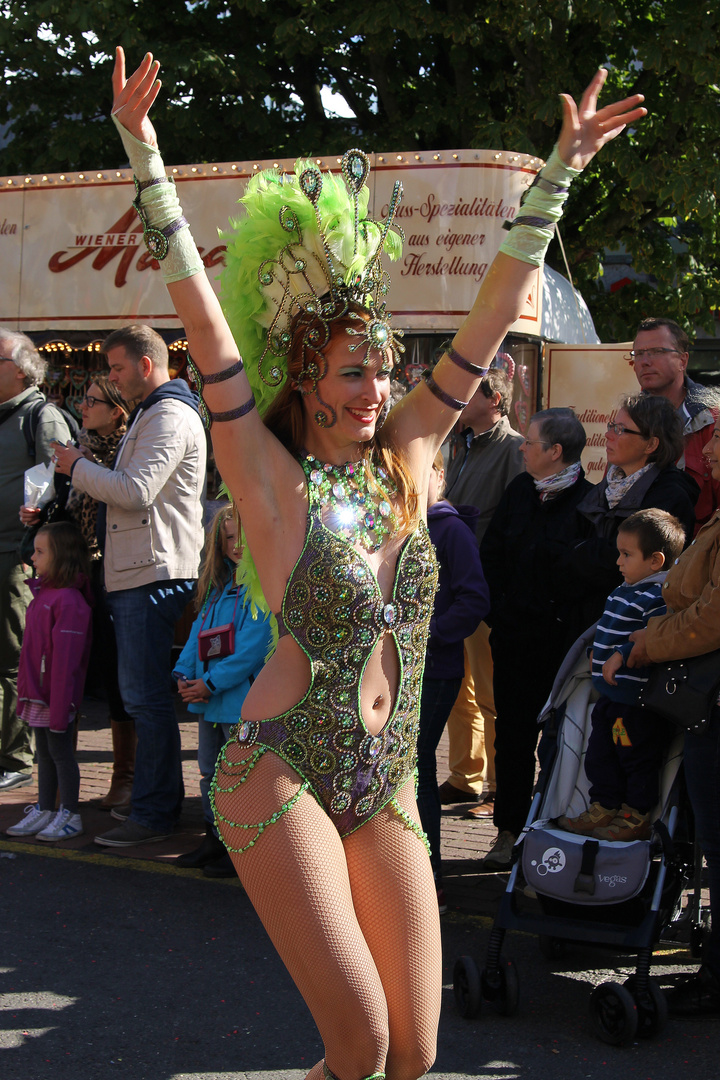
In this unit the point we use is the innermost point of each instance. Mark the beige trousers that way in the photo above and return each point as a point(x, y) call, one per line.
point(471, 724)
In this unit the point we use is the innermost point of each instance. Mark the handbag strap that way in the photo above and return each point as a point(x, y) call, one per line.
point(585, 881)
point(213, 603)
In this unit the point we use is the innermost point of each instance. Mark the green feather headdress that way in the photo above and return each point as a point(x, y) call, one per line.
point(305, 251)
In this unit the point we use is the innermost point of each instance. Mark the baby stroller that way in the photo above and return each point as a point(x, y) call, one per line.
point(564, 887)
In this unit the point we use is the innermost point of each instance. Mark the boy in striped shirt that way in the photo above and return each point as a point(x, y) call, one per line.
point(627, 743)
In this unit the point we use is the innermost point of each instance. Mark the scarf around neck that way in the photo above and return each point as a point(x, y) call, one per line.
point(551, 486)
point(618, 484)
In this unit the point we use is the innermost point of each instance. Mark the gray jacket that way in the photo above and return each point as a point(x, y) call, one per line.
point(154, 497)
point(482, 468)
point(15, 459)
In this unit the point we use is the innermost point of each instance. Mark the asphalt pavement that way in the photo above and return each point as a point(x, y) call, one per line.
point(118, 964)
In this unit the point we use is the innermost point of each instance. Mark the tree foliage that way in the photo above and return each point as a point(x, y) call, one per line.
point(243, 80)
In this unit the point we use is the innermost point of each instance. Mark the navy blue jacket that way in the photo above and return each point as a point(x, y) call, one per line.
point(628, 609)
point(462, 599)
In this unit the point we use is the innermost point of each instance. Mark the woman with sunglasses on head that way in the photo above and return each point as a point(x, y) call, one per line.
point(104, 420)
point(313, 795)
point(104, 415)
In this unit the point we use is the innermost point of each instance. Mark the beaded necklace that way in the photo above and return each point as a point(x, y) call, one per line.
point(355, 498)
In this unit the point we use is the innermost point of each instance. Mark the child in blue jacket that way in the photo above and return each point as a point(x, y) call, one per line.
point(216, 686)
point(627, 742)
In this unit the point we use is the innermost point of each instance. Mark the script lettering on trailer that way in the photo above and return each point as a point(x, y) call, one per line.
point(123, 240)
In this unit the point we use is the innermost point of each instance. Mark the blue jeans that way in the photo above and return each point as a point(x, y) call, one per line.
point(436, 702)
point(211, 739)
point(702, 775)
point(144, 620)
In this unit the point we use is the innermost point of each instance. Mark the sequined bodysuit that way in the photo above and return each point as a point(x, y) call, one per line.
point(334, 610)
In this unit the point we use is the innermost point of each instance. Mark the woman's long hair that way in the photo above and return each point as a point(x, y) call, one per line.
point(655, 416)
point(214, 570)
point(68, 553)
point(286, 416)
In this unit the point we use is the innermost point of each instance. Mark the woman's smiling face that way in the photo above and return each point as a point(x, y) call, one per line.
point(355, 392)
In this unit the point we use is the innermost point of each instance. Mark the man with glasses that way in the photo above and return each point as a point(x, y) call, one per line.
point(660, 356)
point(22, 369)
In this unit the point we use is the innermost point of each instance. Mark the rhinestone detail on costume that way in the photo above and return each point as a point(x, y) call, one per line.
point(352, 493)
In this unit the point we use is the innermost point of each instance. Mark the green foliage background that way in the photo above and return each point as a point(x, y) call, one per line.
point(242, 79)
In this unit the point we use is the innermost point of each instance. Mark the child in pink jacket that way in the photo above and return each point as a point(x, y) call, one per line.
point(51, 676)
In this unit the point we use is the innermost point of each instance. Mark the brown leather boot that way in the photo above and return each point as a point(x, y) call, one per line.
point(124, 742)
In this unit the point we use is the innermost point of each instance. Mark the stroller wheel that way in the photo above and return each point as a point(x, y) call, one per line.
point(502, 988)
point(552, 948)
point(614, 1014)
point(466, 984)
point(652, 1007)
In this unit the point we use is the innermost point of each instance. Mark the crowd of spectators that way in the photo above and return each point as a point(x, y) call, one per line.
point(547, 541)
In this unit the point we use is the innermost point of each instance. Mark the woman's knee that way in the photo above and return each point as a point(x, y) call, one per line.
point(358, 1050)
point(356, 1063)
point(412, 1062)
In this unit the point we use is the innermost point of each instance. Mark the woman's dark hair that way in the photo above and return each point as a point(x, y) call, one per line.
point(654, 416)
point(69, 554)
point(563, 427)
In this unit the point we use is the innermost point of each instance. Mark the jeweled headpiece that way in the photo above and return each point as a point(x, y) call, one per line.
point(304, 256)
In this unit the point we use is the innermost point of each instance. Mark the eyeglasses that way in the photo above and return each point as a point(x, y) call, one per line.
point(620, 429)
point(536, 442)
point(89, 400)
point(649, 354)
point(6, 360)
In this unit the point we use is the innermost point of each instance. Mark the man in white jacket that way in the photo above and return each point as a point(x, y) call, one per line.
point(153, 535)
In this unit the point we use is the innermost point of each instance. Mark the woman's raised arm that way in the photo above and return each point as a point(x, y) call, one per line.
point(250, 459)
point(423, 419)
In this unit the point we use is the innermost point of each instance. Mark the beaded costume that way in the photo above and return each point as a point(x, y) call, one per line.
point(334, 610)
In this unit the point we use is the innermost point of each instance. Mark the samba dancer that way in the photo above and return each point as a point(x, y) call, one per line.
point(312, 794)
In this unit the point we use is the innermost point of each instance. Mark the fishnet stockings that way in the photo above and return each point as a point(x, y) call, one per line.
point(355, 921)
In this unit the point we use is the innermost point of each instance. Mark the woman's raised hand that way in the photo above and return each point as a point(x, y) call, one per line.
point(586, 128)
point(133, 97)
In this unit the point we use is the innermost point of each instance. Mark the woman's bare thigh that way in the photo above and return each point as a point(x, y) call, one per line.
point(296, 877)
point(396, 906)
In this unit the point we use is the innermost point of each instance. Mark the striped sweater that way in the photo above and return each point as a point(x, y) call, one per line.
point(627, 609)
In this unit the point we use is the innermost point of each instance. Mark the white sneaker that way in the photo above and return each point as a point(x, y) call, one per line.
point(64, 826)
point(35, 819)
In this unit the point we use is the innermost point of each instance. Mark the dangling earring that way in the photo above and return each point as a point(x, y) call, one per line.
point(327, 418)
